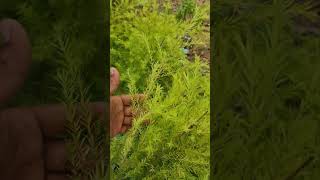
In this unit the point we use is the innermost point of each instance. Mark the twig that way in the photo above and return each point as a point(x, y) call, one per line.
point(300, 168)
point(191, 126)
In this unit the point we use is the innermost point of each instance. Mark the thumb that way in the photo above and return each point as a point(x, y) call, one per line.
point(15, 58)
point(114, 80)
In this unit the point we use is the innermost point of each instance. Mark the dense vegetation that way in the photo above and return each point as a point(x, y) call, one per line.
point(68, 66)
point(266, 90)
point(61, 32)
point(147, 43)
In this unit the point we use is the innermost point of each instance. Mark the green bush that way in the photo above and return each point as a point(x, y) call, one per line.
point(266, 89)
point(146, 47)
point(186, 9)
point(141, 37)
point(61, 31)
point(68, 66)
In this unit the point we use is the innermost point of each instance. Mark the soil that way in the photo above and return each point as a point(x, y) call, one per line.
point(203, 51)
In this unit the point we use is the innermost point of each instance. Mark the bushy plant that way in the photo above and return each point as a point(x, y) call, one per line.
point(186, 9)
point(140, 37)
point(265, 88)
point(175, 143)
point(82, 24)
point(68, 66)
point(146, 47)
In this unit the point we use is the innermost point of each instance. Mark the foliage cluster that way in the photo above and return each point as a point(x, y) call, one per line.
point(266, 91)
point(68, 66)
point(52, 25)
point(141, 35)
point(186, 9)
point(146, 47)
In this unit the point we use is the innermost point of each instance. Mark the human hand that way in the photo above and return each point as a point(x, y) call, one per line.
point(120, 107)
point(29, 149)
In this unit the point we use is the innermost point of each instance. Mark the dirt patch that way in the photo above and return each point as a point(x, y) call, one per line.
point(176, 3)
point(203, 50)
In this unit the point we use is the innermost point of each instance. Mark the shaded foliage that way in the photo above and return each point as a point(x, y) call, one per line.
point(68, 66)
point(265, 88)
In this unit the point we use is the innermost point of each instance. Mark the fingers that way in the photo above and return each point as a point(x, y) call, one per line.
point(127, 99)
point(30, 171)
point(56, 156)
point(52, 118)
point(56, 176)
point(114, 80)
point(125, 129)
point(128, 111)
point(127, 121)
point(98, 110)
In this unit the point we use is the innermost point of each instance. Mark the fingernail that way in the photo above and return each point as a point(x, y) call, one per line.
point(112, 71)
point(4, 35)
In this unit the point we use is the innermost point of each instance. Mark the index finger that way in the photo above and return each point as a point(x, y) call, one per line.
point(127, 99)
point(53, 118)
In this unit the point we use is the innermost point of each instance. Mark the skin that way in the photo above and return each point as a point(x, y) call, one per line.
point(120, 107)
point(28, 147)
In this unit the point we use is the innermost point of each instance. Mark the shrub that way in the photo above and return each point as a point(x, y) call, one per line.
point(186, 9)
point(67, 39)
point(266, 97)
point(50, 24)
point(140, 37)
point(146, 47)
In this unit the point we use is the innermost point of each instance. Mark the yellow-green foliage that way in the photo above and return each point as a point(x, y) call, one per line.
point(141, 36)
point(146, 47)
point(176, 142)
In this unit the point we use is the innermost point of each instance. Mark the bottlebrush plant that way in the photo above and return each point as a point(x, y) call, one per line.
point(68, 66)
point(51, 23)
point(186, 9)
point(266, 89)
point(146, 47)
point(175, 143)
point(140, 36)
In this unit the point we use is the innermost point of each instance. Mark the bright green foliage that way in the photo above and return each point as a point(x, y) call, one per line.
point(186, 9)
point(140, 37)
point(176, 142)
point(146, 47)
point(266, 92)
